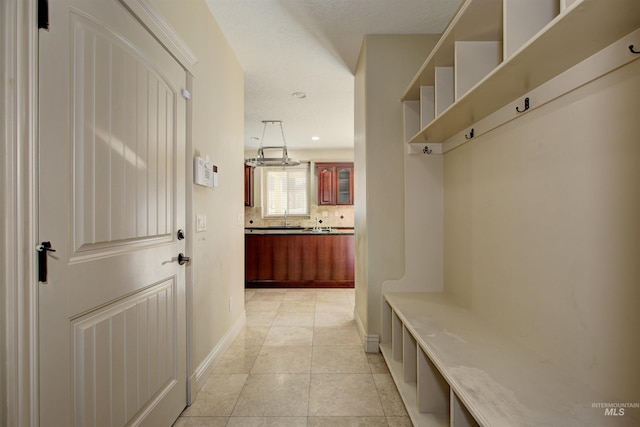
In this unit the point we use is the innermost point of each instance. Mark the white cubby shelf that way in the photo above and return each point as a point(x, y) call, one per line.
point(453, 368)
point(494, 52)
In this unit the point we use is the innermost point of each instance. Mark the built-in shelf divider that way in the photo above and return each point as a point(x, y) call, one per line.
point(412, 122)
point(396, 337)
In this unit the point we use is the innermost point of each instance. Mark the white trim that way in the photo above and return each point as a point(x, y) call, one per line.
point(189, 228)
point(166, 35)
point(18, 59)
point(370, 342)
point(202, 372)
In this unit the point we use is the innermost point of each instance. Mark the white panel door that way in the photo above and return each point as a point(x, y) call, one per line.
point(112, 320)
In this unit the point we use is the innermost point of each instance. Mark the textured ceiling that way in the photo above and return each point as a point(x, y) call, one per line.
point(312, 46)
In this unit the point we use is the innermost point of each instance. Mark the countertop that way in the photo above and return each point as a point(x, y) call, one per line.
point(296, 230)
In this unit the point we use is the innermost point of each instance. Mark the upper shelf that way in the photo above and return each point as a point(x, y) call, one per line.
point(578, 32)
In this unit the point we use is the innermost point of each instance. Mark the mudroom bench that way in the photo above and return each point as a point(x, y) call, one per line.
point(453, 368)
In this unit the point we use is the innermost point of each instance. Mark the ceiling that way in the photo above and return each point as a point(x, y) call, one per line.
point(312, 46)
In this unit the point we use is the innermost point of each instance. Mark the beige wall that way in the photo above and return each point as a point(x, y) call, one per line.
point(386, 65)
point(218, 110)
point(542, 230)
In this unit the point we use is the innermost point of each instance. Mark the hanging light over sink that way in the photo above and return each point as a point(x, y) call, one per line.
point(262, 160)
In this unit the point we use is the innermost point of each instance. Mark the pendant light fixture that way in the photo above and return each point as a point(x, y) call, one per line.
point(262, 160)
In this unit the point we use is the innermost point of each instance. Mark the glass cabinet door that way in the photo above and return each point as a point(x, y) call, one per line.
point(335, 183)
point(345, 186)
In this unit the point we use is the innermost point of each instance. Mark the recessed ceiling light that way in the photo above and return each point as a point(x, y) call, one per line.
point(299, 95)
point(315, 138)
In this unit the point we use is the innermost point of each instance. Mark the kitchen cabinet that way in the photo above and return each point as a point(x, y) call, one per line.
point(299, 260)
point(248, 185)
point(335, 183)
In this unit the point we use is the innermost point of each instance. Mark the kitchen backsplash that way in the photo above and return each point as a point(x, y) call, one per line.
point(336, 216)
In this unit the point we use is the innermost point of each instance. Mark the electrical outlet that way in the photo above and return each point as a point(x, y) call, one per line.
point(336, 213)
point(325, 214)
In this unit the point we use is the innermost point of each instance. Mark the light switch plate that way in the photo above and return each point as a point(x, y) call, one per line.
point(201, 223)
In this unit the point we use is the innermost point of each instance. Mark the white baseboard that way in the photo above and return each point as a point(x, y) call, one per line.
point(371, 342)
point(201, 373)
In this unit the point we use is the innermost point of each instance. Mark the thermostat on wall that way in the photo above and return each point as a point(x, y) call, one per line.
point(204, 172)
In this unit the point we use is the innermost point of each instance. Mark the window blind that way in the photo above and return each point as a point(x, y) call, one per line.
point(286, 189)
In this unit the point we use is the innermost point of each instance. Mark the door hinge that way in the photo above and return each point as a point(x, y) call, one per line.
point(43, 14)
point(186, 94)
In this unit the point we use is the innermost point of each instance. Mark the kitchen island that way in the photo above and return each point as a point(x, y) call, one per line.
point(298, 257)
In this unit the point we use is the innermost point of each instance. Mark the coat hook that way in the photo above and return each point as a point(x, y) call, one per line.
point(427, 150)
point(526, 106)
point(470, 134)
point(633, 51)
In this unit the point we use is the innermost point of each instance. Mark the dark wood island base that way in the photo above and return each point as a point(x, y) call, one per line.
point(299, 260)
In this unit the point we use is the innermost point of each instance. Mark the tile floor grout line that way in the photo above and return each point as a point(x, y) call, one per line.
point(279, 312)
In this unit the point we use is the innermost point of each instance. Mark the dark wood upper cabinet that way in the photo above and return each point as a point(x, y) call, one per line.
point(335, 183)
point(248, 185)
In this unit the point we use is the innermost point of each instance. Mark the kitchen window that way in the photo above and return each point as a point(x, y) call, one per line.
point(285, 190)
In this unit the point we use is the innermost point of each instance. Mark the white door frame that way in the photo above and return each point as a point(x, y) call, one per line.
point(19, 207)
point(18, 198)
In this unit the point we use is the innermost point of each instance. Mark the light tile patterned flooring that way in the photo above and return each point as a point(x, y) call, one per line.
point(298, 362)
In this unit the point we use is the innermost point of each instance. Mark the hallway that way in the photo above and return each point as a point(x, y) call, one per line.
point(298, 362)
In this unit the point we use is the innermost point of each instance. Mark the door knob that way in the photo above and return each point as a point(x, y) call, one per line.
point(42, 249)
point(183, 259)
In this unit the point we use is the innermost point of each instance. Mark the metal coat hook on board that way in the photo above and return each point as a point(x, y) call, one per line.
point(526, 106)
point(427, 150)
point(632, 50)
point(470, 135)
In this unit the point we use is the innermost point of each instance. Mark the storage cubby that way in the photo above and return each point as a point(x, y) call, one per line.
point(523, 19)
point(473, 61)
point(567, 3)
point(411, 111)
point(424, 390)
point(433, 390)
point(409, 353)
point(455, 369)
point(460, 416)
point(494, 52)
point(444, 89)
point(427, 105)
